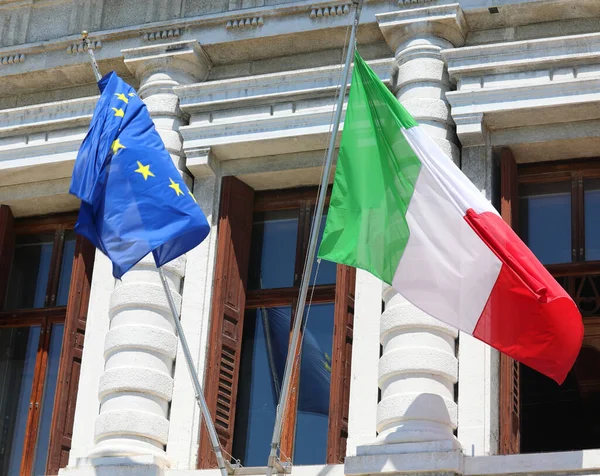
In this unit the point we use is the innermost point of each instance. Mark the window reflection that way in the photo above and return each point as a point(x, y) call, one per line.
point(43, 441)
point(17, 364)
point(310, 446)
point(545, 220)
point(327, 269)
point(591, 201)
point(29, 272)
point(273, 249)
point(62, 295)
point(264, 350)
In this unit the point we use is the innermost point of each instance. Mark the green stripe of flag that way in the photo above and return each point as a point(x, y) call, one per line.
point(374, 180)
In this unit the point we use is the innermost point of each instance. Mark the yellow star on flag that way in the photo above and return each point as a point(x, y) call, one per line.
point(131, 95)
point(192, 195)
point(122, 97)
point(175, 186)
point(116, 145)
point(144, 170)
point(118, 112)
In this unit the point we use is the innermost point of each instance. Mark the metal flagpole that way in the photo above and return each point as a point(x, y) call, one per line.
point(184, 345)
point(312, 246)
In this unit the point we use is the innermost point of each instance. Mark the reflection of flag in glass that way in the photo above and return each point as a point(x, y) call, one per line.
point(315, 370)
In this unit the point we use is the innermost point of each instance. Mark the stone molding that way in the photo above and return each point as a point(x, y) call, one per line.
point(523, 84)
point(162, 34)
point(12, 59)
point(329, 11)
point(442, 21)
point(277, 113)
point(247, 22)
point(184, 56)
point(269, 88)
point(201, 162)
point(48, 116)
point(580, 53)
point(79, 46)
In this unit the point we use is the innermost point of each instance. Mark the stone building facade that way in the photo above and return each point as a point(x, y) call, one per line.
point(92, 381)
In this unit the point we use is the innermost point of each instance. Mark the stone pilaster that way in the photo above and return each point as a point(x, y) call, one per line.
point(140, 349)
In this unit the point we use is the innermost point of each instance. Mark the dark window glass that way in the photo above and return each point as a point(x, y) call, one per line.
point(545, 220)
point(62, 295)
point(29, 272)
point(327, 269)
point(18, 350)
point(43, 440)
point(315, 381)
point(591, 199)
point(273, 249)
point(264, 350)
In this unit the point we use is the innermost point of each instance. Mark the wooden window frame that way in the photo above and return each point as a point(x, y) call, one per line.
point(221, 399)
point(73, 316)
point(573, 171)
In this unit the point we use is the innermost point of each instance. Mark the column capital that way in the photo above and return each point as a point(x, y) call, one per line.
point(184, 57)
point(442, 21)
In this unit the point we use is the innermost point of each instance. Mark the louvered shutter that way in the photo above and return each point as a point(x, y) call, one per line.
point(70, 361)
point(227, 319)
point(510, 436)
point(340, 368)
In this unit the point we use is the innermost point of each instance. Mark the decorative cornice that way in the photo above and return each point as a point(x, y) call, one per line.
point(258, 115)
point(404, 3)
point(47, 117)
point(79, 46)
point(12, 59)
point(443, 21)
point(162, 34)
point(248, 22)
point(545, 53)
point(329, 11)
point(269, 88)
point(185, 56)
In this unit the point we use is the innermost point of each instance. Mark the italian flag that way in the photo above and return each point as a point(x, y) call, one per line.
point(402, 210)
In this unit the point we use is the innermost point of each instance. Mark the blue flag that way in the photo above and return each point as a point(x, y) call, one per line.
point(133, 199)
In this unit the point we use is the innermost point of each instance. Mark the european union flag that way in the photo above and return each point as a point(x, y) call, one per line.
point(133, 199)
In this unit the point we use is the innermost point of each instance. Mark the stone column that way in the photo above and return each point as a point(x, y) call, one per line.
point(417, 374)
point(140, 349)
point(418, 370)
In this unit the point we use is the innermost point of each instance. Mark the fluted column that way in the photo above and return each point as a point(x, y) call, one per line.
point(140, 349)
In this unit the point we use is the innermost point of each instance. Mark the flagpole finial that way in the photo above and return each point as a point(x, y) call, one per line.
point(87, 46)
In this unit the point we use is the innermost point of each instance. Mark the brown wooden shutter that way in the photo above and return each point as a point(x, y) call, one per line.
point(227, 319)
point(510, 435)
point(70, 360)
point(7, 248)
point(340, 364)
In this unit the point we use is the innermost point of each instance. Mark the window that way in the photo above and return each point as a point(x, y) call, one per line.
point(555, 209)
point(262, 246)
point(43, 301)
